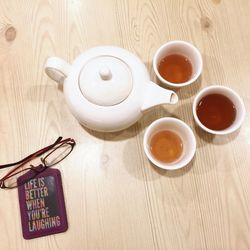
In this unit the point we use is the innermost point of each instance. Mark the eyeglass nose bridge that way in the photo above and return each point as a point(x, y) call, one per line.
point(38, 169)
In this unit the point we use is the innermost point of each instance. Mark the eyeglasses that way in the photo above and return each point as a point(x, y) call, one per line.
point(56, 152)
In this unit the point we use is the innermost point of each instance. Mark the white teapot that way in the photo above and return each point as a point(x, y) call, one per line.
point(107, 88)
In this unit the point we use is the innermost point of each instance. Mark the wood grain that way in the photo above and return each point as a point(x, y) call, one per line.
point(115, 199)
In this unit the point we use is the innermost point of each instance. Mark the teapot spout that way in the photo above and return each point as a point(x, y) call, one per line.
point(156, 95)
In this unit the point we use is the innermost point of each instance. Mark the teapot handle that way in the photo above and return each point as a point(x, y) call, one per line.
point(57, 69)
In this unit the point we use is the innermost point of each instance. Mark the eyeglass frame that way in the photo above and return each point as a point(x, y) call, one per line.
point(39, 168)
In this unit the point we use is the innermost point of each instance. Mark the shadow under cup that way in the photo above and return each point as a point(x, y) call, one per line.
point(184, 49)
point(182, 130)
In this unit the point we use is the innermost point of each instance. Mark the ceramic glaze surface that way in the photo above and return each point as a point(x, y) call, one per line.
point(107, 88)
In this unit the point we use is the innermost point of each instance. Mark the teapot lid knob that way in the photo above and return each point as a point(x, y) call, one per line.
point(105, 74)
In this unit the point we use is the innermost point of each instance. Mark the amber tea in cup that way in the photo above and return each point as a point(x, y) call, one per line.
point(177, 64)
point(216, 111)
point(169, 143)
point(175, 68)
point(166, 146)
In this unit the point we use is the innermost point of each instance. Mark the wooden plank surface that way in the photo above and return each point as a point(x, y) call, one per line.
point(115, 199)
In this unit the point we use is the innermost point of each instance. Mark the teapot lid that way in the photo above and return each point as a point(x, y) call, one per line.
point(105, 80)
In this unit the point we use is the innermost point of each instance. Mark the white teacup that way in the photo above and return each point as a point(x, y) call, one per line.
point(181, 48)
point(182, 130)
point(229, 93)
